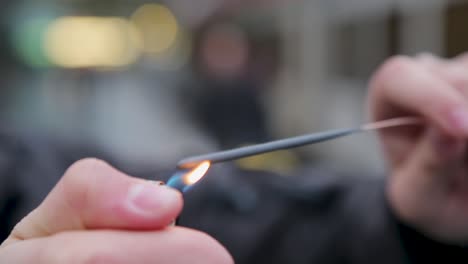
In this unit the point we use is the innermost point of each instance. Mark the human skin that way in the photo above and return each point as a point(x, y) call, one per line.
point(97, 214)
point(428, 185)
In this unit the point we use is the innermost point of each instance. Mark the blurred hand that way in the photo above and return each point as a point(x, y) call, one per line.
point(428, 188)
point(96, 214)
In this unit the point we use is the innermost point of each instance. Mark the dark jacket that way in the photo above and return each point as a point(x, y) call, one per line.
point(260, 217)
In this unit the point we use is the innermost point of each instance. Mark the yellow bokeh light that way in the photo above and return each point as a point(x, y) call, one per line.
point(78, 42)
point(158, 27)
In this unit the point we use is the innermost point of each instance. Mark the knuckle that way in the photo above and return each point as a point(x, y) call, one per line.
point(394, 66)
point(398, 63)
point(382, 83)
point(84, 165)
point(79, 173)
point(79, 179)
point(18, 233)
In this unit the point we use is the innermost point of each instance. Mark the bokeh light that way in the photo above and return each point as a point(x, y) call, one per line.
point(77, 42)
point(27, 40)
point(158, 27)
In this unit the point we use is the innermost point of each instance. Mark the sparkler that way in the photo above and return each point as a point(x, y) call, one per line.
point(293, 142)
point(191, 170)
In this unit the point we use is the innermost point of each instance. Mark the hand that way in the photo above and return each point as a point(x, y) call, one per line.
point(96, 214)
point(428, 188)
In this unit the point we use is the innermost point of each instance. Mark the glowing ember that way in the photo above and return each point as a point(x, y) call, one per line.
point(196, 174)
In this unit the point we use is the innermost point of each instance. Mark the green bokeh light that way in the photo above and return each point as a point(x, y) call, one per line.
point(28, 39)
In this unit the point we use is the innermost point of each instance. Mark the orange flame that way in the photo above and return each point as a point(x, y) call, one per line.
point(197, 173)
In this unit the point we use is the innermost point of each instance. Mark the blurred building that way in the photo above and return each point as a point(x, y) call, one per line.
point(111, 72)
point(333, 47)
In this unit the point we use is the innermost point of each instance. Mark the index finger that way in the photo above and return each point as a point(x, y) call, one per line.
point(169, 246)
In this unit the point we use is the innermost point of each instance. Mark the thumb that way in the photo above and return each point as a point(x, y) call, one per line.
point(93, 195)
point(432, 170)
point(436, 156)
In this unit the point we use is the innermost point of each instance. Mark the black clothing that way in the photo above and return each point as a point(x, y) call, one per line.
point(260, 217)
point(229, 110)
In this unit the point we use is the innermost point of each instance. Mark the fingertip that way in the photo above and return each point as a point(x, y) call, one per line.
point(457, 121)
point(385, 76)
point(151, 205)
point(391, 68)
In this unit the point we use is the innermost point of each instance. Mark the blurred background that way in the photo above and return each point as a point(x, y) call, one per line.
point(151, 82)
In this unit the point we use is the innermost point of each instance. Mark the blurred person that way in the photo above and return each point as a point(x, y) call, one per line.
point(226, 98)
point(418, 214)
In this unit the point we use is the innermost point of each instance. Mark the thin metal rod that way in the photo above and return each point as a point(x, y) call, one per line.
point(293, 142)
point(243, 152)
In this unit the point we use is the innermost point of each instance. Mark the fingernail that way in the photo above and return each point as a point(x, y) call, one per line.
point(148, 198)
point(459, 119)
